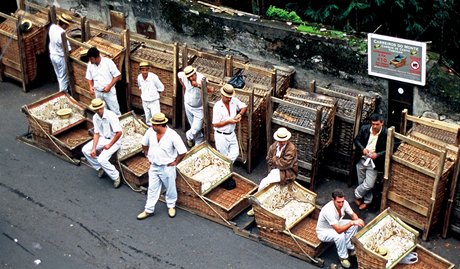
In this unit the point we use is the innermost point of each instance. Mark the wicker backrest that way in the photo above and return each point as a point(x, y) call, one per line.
point(204, 166)
point(133, 131)
point(43, 113)
point(280, 207)
point(384, 231)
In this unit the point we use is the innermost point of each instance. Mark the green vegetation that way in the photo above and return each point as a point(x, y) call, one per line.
point(284, 15)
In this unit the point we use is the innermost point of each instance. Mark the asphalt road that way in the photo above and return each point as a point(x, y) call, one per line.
point(57, 215)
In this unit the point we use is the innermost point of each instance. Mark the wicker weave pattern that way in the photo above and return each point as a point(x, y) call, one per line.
point(426, 260)
point(135, 170)
point(34, 44)
point(370, 102)
point(439, 134)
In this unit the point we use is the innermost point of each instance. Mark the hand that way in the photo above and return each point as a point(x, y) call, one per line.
point(238, 117)
point(365, 152)
point(107, 146)
point(358, 222)
point(232, 121)
point(106, 89)
point(194, 83)
point(91, 90)
point(172, 163)
point(93, 153)
point(373, 155)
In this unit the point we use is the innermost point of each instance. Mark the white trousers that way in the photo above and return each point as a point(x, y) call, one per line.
point(227, 145)
point(102, 160)
point(195, 119)
point(110, 99)
point(272, 177)
point(158, 175)
point(150, 109)
point(61, 72)
point(342, 241)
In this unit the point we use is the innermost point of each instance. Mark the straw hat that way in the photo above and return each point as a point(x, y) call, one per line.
point(144, 64)
point(26, 25)
point(282, 134)
point(67, 19)
point(189, 71)
point(96, 104)
point(227, 90)
point(158, 119)
point(64, 113)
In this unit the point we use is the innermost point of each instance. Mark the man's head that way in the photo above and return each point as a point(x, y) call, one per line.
point(282, 135)
point(97, 105)
point(190, 73)
point(227, 92)
point(376, 122)
point(94, 55)
point(144, 68)
point(339, 198)
point(158, 121)
point(64, 20)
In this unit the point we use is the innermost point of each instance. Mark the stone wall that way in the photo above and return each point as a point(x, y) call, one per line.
point(326, 60)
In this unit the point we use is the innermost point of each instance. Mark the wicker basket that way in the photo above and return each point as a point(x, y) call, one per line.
point(310, 118)
point(220, 201)
point(416, 186)
point(197, 166)
point(426, 260)
point(211, 65)
point(164, 61)
point(135, 169)
point(42, 114)
point(280, 207)
point(133, 164)
point(33, 44)
point(384, 231)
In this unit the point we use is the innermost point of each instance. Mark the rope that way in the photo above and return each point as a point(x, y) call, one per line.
point(297, 243)
point(49, 137)
point(201, 197)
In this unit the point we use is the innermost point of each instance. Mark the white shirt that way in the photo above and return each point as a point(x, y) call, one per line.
point(150, 87)
point(55, 46)
point(102, 74)
point(329, 215)
point(108, 125)
point(372, 142)
point(165, 151)
point(220, 113)
point(192, 95)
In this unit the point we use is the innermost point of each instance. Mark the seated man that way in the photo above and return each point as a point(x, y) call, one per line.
point(106, 141)
point(332, 227)
point(282, 161)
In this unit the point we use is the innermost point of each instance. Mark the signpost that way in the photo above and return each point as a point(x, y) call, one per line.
point(396, 58)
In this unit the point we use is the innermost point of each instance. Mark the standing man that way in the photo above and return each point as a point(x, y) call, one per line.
point(331, 226)
point(282, 161)
point(226, 113)
point(57, 51)
point(150, 86)
point(102, 74)
point(106, 141)
point(371, 146)
point(164, 149)
point(191, 83)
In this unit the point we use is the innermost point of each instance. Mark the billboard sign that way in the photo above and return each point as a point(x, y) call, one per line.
point(396, 58)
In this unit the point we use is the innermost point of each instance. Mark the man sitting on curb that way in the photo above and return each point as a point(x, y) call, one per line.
point(331, 226)
point(106, 140)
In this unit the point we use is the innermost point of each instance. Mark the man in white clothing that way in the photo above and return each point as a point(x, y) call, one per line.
point(331, 226)
point(226, 113)
point(106, 141)
point(151, 87)
point(191, 83)
point(165, 149)
point(57, 51)
point(102, 75)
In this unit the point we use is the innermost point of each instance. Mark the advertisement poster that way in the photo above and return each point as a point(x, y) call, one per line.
point(398, 59)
